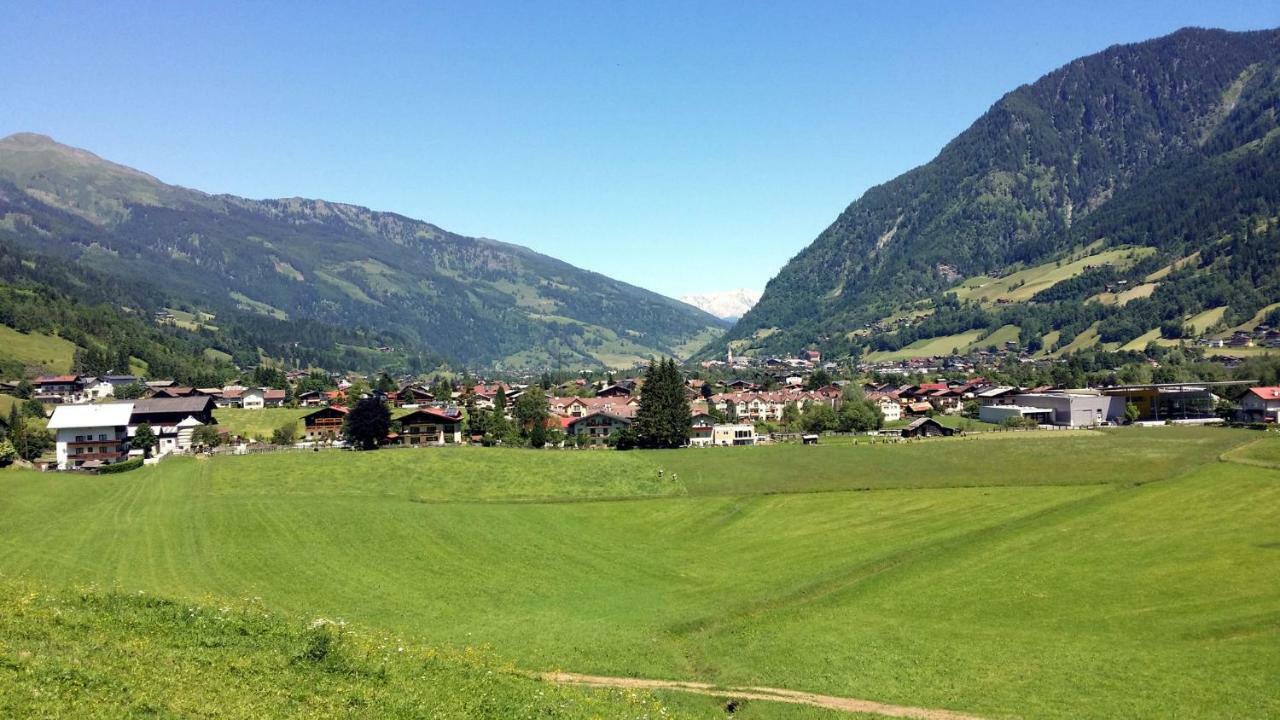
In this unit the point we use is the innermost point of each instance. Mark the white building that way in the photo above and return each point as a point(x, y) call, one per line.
point(736, 434)
point(891, 410)
point(90, 436)
point(252, 399)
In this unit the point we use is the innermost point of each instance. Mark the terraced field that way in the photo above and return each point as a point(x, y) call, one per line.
point(1051, 575)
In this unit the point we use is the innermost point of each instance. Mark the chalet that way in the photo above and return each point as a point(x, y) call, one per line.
point(812, 356)
point(598, 426)
point(173, 420)
point(232, 396)
point(926, 427)
point(57, 388)
point(622, 388)
point(997, 396)
point(311, 398)
point(96, 389)
point(89, 436)
point(1261, 404)
point(171, 411)
point(889, 408)
point(703, 428)
point(430, 427)
point(173, 391)
point(120, 381)
point(325, 424)
point(253, 399)
point(273, 397)
point(414, 395)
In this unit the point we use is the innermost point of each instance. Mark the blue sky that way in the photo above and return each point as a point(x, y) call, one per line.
point(683, 146)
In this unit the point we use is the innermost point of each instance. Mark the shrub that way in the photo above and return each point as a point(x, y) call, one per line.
point(120, 467)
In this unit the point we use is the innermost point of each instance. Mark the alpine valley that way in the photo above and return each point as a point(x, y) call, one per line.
point(1126, 198)
point(308, 282)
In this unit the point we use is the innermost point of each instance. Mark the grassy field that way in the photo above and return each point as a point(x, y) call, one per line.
point(50, 353)
point(1127, 573)
point(259, 423)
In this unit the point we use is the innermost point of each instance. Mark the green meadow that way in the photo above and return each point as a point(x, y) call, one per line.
point(1127, 573)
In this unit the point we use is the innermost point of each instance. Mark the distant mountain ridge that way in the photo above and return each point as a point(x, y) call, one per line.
point(1108, 173)
point(477, 301)
point(727, 304)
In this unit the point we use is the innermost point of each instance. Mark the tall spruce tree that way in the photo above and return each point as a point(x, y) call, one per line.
point(663, 419)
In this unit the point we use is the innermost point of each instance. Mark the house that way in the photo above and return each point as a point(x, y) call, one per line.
point(173, 391)
point(926, 427)
point(57, 388)
point(325, 424)
point(890, 409)
point(997, 395)
point(622, 388)
point(598, 426)
point(414, 395)
point(734, 434)
point(171, 411)
point(89, 436)
point(702, 429)
point(96, 389)
point(258, 398)
point(426, 426)
point(120, 381)
point(252, 399)
point(1261, 404)
point(311, 398)
point(173, 420)
point(812, 356)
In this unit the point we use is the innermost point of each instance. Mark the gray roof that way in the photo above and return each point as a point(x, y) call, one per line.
point(191, 404)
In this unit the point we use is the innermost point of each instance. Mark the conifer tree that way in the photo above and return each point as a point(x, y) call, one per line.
point(663, 419)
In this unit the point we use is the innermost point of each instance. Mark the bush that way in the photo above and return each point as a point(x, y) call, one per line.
point(286, 434)
point(120, 467)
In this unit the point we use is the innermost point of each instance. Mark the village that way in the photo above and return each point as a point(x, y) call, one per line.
point(97, 422)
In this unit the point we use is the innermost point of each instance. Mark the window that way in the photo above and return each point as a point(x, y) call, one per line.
point(102, 436)
point(79, 438)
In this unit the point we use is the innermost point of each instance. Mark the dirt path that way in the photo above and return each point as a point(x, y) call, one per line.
point(829, 702)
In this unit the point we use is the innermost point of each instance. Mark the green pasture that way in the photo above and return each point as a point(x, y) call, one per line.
point(1126, 573)
point(259, 423)
point(49, 353)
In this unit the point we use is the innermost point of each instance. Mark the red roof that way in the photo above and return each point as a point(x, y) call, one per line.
point(59, 379)
point(1267, 393)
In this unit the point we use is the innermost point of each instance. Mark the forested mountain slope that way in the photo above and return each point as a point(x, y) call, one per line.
point(1104, 175)
point(255, 263)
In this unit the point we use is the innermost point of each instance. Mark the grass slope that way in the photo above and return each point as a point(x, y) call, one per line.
point(34, 350)
point(110, 655)
point(1082, 575)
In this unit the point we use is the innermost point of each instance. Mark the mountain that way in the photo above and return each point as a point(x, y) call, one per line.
point(727, 304)
point(1119, 199)
point(259, 263)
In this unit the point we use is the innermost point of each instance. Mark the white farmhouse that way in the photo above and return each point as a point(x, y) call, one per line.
point(89, 436)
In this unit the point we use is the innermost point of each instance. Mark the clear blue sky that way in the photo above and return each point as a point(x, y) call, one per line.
point(683, 146)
